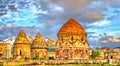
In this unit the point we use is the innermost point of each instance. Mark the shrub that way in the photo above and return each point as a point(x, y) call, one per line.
point(35, 58)
point(95, 53)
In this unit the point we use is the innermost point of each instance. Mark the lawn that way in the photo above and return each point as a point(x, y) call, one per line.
point(83, 65)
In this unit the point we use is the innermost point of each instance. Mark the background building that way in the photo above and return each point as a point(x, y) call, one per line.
point(112, 53)
point(51, 48)
point(5, 49)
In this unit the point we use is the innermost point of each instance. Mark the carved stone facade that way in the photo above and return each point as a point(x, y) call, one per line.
point(72, 43)
point(22, 47)
point(39, 48)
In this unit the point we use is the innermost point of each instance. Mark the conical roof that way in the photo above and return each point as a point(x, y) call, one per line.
point(71, 27)
point(21, 38)
point(39, 42)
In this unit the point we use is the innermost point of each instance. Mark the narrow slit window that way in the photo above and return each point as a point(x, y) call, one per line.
point(82, 38)
point(20, 52)
point(72, 38)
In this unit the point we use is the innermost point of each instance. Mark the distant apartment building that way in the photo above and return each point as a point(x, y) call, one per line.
point(5, 49)
point(112, 53)
point(51, 48)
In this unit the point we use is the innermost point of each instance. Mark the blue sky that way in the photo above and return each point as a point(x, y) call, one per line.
point(100, 18)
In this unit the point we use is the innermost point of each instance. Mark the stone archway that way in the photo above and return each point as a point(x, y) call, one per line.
point(19, 52)
point(65, 53)
point(36, 54)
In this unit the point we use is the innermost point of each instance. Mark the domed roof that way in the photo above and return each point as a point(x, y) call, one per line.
point(39, 42)
point(71, 27)
point(21, 38)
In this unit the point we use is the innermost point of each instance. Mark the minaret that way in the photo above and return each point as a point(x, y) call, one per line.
point(21, 46)
point(39, 47)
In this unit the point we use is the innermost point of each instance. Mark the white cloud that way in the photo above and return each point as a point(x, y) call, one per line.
point(100, 23)
point(113, 33)
point(54, 7)
point(110, 39)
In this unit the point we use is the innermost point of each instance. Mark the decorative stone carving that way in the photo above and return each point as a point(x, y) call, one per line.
point(71, 43)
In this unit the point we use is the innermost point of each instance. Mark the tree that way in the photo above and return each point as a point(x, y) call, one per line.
point(96, 53)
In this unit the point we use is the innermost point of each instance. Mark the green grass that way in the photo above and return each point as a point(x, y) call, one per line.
point(1, 64)
point(19, 65)
point(118, 65)
point(80, 65)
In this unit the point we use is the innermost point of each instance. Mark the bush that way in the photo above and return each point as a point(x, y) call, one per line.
point(35, 58)
point(1, 64)
point(95, 53)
